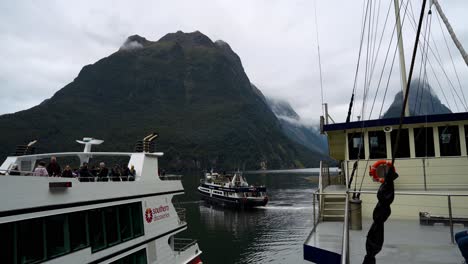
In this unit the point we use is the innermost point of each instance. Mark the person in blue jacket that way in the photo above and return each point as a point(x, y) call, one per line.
point(462, 241)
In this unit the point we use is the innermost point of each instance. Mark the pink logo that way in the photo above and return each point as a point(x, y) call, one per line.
point(149, 215)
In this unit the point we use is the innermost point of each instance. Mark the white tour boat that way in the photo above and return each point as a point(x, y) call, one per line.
point(232, 191)
point(65, 220)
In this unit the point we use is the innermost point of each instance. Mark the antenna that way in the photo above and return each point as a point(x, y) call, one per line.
point(88, 142)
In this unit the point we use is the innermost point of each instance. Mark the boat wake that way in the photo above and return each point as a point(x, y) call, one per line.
point(284, 207)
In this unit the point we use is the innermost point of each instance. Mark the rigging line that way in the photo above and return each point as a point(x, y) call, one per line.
point(355, 84)
point(410, 75)
point(375, 25)
point(417, 106)
point(439, 62)
point(381, 38)
point(451, 58)
point(364, 94)
point(386, 57)
point(388, 79)
point(358, 63)
point(362, 129)
point(319, 59)
point(438, 82)
point(385, 94)
point(425, 80)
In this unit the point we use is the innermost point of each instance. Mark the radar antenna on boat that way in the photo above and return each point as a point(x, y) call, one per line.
point(88, 142)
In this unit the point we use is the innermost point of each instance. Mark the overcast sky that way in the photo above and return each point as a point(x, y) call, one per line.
point(44, 44)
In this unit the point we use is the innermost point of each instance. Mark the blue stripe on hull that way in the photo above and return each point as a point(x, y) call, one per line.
point(321, 256)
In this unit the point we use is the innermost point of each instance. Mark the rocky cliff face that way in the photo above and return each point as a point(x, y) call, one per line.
point(421, 101)
point(294, 128)
point(191, 90)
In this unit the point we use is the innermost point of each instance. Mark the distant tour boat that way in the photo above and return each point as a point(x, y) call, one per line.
point(232, 190)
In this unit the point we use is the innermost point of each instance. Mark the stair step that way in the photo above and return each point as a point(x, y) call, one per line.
point(334, 199)
point(328, 215)
point(333, 209)
point(338, 203)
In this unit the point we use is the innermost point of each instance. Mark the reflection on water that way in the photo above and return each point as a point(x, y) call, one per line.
point(271, 234)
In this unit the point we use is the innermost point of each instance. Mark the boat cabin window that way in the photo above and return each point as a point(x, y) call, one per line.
point(78, 233)
point(40, 239)
point(403, 144)
point(466, 138)
point(424, 142)
point(355, 146)
point(449, 141)
point(30, 241)
point(56, 229)
point(377, 145)
point(7, 252)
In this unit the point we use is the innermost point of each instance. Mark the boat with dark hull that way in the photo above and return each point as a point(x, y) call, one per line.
point(231, 191)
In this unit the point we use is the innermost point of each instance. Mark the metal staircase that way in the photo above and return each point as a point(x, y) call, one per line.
point(333, 208)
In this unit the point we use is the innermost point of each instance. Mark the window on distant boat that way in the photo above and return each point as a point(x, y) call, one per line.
point(403, 143)
point(424, 141)
point(377, 145)
point(449, 141)
point(355, 146)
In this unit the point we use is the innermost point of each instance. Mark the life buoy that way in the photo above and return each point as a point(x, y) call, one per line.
point(373, 170)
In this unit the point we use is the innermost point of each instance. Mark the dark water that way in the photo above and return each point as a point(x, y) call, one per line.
point(274, 234)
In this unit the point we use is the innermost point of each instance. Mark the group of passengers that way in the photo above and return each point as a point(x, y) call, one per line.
point(84, 173)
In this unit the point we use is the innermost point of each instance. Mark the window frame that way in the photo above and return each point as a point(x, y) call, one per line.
point(443, 150)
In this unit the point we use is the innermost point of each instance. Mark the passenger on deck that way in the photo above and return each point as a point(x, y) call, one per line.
point(125, 172)
point(85, 175)
point(103, 172)
point(462, 240)
point(116, 173)
point(41, 170)
point(14, 170)
point(131, 176)
point(67, 172)
point(54, 168)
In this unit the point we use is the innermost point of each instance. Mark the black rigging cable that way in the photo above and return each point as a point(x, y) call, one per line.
point(348, 118)
point(410, 76)
point(453, 64)
point(438, 59)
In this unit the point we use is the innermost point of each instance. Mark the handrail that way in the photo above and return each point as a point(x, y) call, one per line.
point(414, 193)
point(182, 244)
point(345, 245)
point(170, 177)
point(449, 203)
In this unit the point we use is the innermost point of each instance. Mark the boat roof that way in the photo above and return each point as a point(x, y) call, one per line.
point(395, 121)
point(84, 154)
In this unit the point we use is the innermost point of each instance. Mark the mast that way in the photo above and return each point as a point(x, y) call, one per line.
point(404, 80)
point(451, 32)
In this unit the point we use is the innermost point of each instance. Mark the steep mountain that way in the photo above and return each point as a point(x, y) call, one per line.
point(191, 90)
point(291, 124)
point(421, 101)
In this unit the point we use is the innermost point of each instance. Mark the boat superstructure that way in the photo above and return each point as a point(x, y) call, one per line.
point(232, 190)
point(69, 220)
point(429, 198)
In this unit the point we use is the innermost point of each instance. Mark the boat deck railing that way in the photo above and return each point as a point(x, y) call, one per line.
point(182, 244)
point(181, 212)
point(170, 177)
point(325, 180)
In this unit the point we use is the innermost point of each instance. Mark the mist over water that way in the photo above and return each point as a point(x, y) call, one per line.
point(271, 234)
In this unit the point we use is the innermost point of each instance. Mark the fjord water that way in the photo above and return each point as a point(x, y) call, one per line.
point(273, 234)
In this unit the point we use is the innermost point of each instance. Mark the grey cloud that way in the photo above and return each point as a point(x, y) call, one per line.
point(44, 45)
